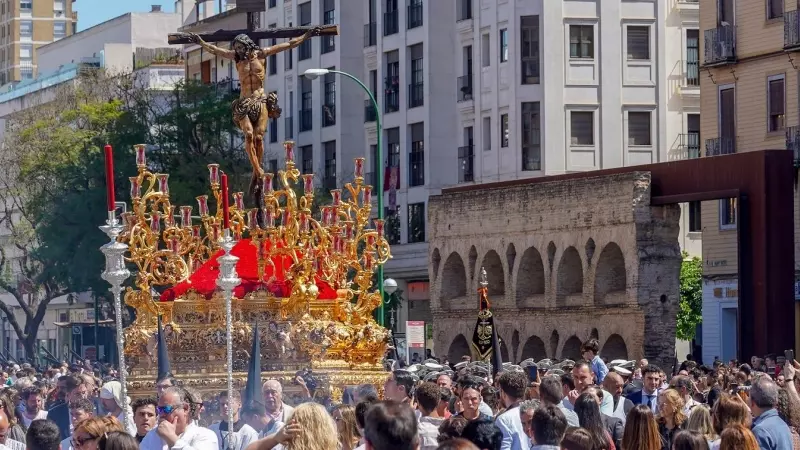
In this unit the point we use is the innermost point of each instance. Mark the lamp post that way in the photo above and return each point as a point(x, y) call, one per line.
point(312, 74)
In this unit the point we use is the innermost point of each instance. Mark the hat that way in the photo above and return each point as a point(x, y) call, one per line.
point(622, 371)
point(461, 365)
point(433, 365)
point(630, 365)
point(557, 372)
point(617, 362)
point(413, 368)
point(527, 362)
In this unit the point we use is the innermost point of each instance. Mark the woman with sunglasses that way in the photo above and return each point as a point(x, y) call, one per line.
point(88, 432)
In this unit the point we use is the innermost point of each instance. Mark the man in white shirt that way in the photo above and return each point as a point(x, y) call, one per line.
point(33, 398)
point(79, 409)
point(175, 430)
point(242, 435)
point(683, 384)
point(427, 397)
point(512, 392)
point(583, 377)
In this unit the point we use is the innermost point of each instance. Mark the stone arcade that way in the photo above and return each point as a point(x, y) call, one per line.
point(566, 260)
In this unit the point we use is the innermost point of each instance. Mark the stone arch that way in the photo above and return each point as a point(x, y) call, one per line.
point(511, 257)
point(590, 248)
point(594, 334)
point(572, 349)
point(610, 277)
point(473, 258)
point(569, 285)
point(534, 348)
point(554, 338)
point(454, 280)
point(494, 273)
point(458, 348)
point(615, 348)
point(530, 279)
point(435, 260)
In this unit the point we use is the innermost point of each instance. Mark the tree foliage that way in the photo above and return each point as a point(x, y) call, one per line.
point(690, 312)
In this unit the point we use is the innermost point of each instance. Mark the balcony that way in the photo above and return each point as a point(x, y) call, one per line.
point(391, 95)
point(466, 164)
point(465, 88)
point(414, 18)
point(306, 120)
point(689, 145)
point(720, 46)
point(692, 76)
point(720, 146)
point(370, 115)
point(370, 34)
point(793, 143)
point(791, 30)
point(328, 115)
point(288, 127)
point(416, 95)
point(391, 21)
point(689, 8)
point(532, 156)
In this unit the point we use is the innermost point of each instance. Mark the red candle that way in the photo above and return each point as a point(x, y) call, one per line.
point(226, 220)
point(109, 153)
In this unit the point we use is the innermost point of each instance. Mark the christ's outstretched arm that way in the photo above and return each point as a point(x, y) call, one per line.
point(213, 49)
point(283, 46)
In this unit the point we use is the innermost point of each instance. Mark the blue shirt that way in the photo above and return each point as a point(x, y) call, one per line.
point(599, 368)
point(771, 431)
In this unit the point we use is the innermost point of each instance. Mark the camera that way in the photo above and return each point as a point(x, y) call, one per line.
point(309, 378)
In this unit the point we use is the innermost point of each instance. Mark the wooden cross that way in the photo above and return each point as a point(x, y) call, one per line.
point(269, 33)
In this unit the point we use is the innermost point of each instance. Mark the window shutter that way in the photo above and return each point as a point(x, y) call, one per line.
point(776, 101)
point(638, 43)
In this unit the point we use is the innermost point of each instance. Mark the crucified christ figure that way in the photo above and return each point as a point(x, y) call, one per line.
point(253, 108)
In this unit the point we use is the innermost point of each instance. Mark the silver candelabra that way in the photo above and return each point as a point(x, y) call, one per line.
point(115, 274)
point(227, 281)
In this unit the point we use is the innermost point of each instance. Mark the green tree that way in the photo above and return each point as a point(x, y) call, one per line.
point(690, 312)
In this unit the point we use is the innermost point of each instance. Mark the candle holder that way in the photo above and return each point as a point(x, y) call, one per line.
point(115, 274)
point(227, 282)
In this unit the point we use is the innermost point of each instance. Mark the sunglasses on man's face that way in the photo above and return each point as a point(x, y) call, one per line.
point(167, 410)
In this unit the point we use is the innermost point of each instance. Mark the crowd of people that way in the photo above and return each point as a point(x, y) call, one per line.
point(590, 404)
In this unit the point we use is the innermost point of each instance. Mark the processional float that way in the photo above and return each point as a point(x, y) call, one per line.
point(306, 281)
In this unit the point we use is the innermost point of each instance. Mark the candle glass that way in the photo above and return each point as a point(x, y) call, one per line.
point(288, 147)
point(252, 219)
point(267, 183)
point(304, 222)
point(196, 231)
point(359, 170)
point(366, 195)
point(155, 222)
point(336, 195)
point(215, 232)
point(174, 245)
point(308, 184)
point(169, 216)
point(379, 224)
point(238, 200)
point(141, 159)
point(285, 217)
point(269, 218)
point(163, 183)
point(136, 187)
point(186, 216)
point(213, 173)
point(202, 205)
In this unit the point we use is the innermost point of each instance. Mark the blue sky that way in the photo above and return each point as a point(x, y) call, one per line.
point(92, 12)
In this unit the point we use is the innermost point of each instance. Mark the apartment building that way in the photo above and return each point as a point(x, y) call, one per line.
point(748, 84)
point(24, 26)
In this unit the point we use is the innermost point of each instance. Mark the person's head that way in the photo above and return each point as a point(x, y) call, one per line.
point(88, 433)
point(346, 425)
point(651, 377)
point(427, 396)
point(456, 444)
point(451, 428)
point(689, 440)
point(61, 388)
point(682, 384)
point(75, 387)
point(737, 437)
point(700, 421)
point(174, 406)
point(641, 430)
point(117, 440)
point(567, 384)
point(588, 411)
point(273, 395)
point(470, 399)
point(390, 425)
point(445, 395)
point(43, 435)
point(365, 392)
point(111, 397)
point(81, 409)
point(484, 434)
point(33, 398)
point(512, 387)
point(243, 47)
point(229, 403)
point(526, 411)
point(399, 386)
point(318, 429)
point(255, 415)
point(548, 425)
point(670, 405)
point(590, 349)
point(144, 414)
point(763, 395)
point(444, 381)
point(576, 438)
point(613, 383)
point(550, 390)
point(165, 381)
point(582, 375)
point(729, 410)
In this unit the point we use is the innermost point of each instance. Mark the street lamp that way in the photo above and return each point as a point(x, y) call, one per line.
point(313, 74)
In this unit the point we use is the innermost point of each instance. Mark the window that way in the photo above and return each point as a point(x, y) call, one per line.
point(639, 128)
point(26, 28)
point(372, 177)
point(25, 6)
point(414, 18)
point(392, 225)
point(392, 82)
point(638, 43)
point(504, 130)
point(776, 103)
point(306, 120)
point(529, 53)
point(485, 52)
point(693, 135)
point(416, 159)
point(307, 162)
point(581, 124)
point(59, 30)
point(416, 222)
point(728, 212)
point(26, 72)
point(329, 182)
point(288, 58)
point(503, 45)
point(273, 3)
point(26, 53)
point(415, 89)
point(581, 41)
point(391, 18)
point(774, 9)
point(727, 120)
point(58, 5)
point(693, 57)
point(694, 217)
point(272, 167)
point(531, 137)
point(273, 59)
point(305, 20)
point(486, 128)
point(329, 102)
point(328, 18)
point(393, 147)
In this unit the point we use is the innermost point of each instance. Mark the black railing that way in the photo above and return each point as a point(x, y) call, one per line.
point(720, 45)
point(464, 10)
point(370, 34)
point(288, 127)
point(416, 96)
point(328, 115)
point(370, 115)
point(304, 51)
point(530, 70)
point(793, 142)
point(720, 146)
point(414, 18)
point(306, 120)
point(531, 157)
point(690, 144)
point(791, 30)
point(391, 21)
point(466, 164)
point(392, 95)
point(465, 88)
point(692, 73)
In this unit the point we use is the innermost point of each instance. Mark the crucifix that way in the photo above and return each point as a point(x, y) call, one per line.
point(254, 107)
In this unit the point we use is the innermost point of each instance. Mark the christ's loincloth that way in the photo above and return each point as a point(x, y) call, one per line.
point(252, 107)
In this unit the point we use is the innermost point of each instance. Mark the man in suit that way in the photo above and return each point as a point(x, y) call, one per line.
point(613, 384)
point(75, 387)
point(648, 395)
point(278, 411)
